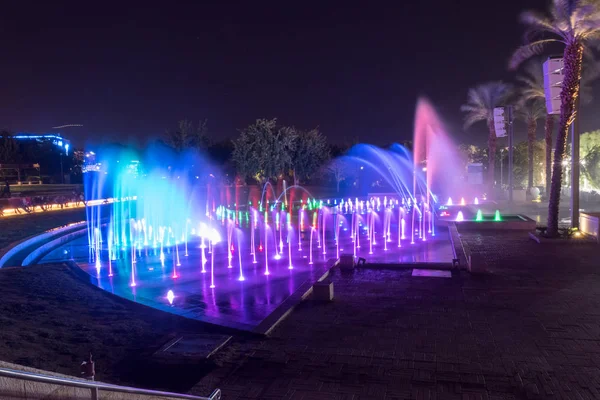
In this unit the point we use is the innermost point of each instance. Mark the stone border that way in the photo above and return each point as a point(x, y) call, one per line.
point(285, 309)
point(475, 264)
point(39, 253)
point(525, 224)
point(13, 249)
point(583, 240)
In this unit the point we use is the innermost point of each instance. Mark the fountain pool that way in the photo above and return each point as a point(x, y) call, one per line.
point(228, 275)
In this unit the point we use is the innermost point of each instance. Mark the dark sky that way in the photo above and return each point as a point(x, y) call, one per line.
point(131, 70)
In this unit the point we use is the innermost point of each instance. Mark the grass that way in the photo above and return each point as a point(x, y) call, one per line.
point(17, 227)
point(51, 318)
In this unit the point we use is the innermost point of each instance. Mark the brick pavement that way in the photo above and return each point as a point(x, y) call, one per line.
point(529, 329)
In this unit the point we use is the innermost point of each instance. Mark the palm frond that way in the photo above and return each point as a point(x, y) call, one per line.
point(481, 101)
point(527, 51)
point(538, 22)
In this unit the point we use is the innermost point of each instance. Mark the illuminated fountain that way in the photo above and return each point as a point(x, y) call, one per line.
point(178, 238)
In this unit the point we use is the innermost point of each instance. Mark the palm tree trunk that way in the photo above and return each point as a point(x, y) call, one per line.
point(491, 156)
point(548, 137)
point(570, 91)
point(531, 127)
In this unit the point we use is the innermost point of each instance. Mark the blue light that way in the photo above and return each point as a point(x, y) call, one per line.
point(59, 143)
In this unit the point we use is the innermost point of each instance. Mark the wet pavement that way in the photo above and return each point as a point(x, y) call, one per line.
point(528, 330)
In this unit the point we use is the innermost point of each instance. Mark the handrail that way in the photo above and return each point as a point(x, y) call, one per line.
point(95, 387)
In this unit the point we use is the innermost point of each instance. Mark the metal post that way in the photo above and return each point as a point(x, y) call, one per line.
point(510, 154)
point(575, 168)
point(62, 175)
point(94, 393)
point(501, 167)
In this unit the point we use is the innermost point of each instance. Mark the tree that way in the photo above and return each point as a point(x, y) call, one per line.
point(522, 160)
point(188, 136)
point(573, 23)
point(470, 154)
point(264, 150)
point(532, 78)
point(590, 158)
point(310, 152)
point(9, 148)
point(480, 107)
point(530, 111)
point(339, 169)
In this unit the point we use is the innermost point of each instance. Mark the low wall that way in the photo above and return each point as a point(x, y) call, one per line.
point(590, 224)
point(20, 389)
point(522, 224)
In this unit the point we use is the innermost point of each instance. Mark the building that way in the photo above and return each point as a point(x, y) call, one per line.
point(55, 138)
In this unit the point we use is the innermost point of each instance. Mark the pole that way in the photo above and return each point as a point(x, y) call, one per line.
point(510, 154)
point(575, 168)
point(62, 175)
point(501, 168)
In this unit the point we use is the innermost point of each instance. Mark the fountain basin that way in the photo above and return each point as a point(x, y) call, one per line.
point(589, 223)
point(514, 222)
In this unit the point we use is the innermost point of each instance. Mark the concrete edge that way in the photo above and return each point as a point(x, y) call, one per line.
point(11, 250)
point(584, 240)
point(406, 266)
point(288, 305)
point(46, 248)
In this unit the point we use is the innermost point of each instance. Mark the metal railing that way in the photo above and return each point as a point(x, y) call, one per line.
point(96, 387)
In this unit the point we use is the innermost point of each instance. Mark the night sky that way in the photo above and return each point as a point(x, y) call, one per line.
point(132, 70)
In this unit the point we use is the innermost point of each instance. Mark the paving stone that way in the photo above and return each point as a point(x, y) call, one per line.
point(530, 329)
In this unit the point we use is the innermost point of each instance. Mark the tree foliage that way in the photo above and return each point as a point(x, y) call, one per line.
point(575, 24)
point(187, 135)
point(480, 105)
point(310, 152)
point(264, 150)
point(521, 164)
point(9, 149)
point(339, 169)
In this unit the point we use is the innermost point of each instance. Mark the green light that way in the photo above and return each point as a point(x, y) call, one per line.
point(497, 217)
point(479, 216)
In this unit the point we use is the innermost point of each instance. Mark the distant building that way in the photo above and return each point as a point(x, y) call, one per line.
point(54, 138)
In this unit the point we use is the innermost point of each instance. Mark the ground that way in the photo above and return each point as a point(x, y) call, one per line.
point(528, 329)
point(17, 227)
point(531, 329)
point(51, 318)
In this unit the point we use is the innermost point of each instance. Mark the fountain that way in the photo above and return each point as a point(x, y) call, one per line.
point(174, 207)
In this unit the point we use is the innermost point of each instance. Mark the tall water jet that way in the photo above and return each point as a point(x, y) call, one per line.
point(312, 230)
point(241, 277)
point(479, 216)
point(267, 248)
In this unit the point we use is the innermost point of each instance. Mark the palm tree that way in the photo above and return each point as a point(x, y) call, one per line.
point(530, 111)
point(574, 23)
point(480, 106)
point(532, 78)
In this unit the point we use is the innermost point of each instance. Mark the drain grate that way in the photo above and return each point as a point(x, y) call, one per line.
point(432, 273)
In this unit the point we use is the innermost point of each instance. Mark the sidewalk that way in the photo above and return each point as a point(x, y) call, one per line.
point(529, 330)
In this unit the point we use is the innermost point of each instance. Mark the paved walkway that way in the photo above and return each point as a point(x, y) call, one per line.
point(531, 329)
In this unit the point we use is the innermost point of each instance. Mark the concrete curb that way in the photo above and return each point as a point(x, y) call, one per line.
point(17, 247)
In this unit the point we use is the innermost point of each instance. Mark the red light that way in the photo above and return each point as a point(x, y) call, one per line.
point(260, 247)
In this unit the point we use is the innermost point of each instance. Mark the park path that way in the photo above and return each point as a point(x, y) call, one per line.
point(530, 329)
